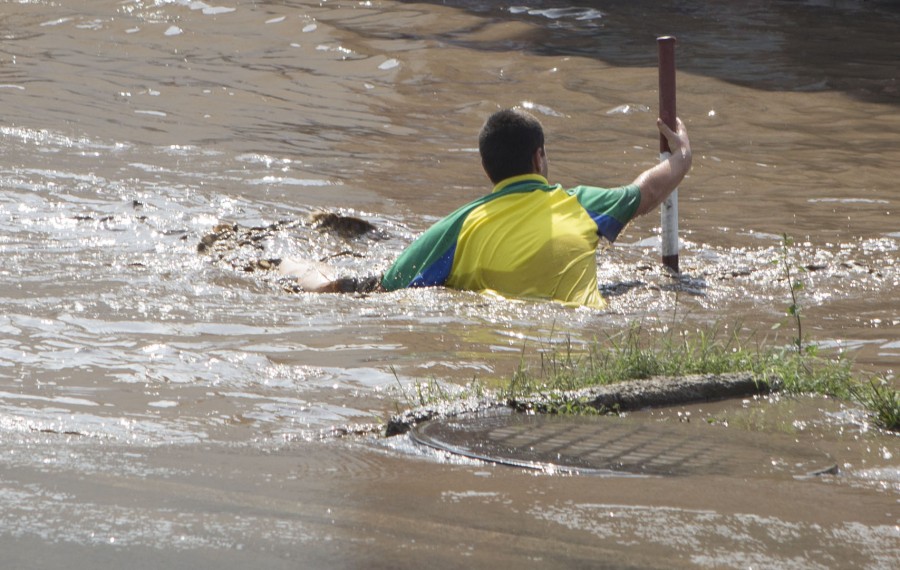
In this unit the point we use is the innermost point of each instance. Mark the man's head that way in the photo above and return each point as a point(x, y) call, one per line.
point(511, 143)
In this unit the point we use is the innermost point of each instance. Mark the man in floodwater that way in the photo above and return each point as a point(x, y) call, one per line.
point(527, 238)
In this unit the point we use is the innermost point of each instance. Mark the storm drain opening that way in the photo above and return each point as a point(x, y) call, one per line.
point(613, 445)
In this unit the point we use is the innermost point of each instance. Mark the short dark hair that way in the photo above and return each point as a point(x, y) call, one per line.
point(507, 143)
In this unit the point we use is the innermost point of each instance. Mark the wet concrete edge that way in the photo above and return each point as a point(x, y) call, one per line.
point(622, 396)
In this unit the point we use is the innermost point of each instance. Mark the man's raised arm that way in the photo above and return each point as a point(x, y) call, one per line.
point(658, 182)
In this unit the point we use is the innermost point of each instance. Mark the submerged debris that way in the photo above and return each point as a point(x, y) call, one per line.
point(405, 421)
point(255, 250)
point(228, 236)
point(345, 226)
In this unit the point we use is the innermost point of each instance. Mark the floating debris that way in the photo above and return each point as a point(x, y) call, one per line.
point(345, 226)
point(245, 249)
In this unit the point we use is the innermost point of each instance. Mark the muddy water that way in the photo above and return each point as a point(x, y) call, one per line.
point(161, 407)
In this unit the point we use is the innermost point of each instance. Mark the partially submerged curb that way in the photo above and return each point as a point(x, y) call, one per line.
point(654, 392)
point(622, 396)
point(405, 421)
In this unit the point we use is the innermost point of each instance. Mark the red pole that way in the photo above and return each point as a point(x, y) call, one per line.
point(669, 208)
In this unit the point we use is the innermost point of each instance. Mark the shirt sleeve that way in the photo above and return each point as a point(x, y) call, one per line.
point(610, 208)
point(428, 260)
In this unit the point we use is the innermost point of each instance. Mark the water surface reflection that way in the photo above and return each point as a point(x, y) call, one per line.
point(156, 404)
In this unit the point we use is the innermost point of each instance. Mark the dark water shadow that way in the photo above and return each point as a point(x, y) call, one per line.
point(813, 45)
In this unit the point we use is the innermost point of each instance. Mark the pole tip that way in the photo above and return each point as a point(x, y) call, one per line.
point(665, 39)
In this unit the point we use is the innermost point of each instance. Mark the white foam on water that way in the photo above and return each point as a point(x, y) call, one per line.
point(478, 496)
point(56, 400)
point(289, 181)
point(847, 201)
point(712, 540)
point(122, 429)
point(628, 109)
point(543, 109)
point(389, 64)
point(579, 14)
point(56, 22)
point(203, 7)
point(40, 512)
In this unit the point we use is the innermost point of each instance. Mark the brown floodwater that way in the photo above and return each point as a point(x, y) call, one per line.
point(161, 407)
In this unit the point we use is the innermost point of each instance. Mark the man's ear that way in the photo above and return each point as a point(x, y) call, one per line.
point(539, 162)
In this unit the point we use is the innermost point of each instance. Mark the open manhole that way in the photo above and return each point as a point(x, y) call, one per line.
point(622, 445)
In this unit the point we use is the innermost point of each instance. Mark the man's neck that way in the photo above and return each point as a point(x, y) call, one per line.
point(532, 177)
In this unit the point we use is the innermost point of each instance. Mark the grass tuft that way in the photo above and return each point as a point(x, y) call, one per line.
point(881, 400)
point(636, 354)
point(430, 393)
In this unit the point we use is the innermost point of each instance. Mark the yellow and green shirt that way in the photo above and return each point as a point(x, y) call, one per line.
point(524, 239)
